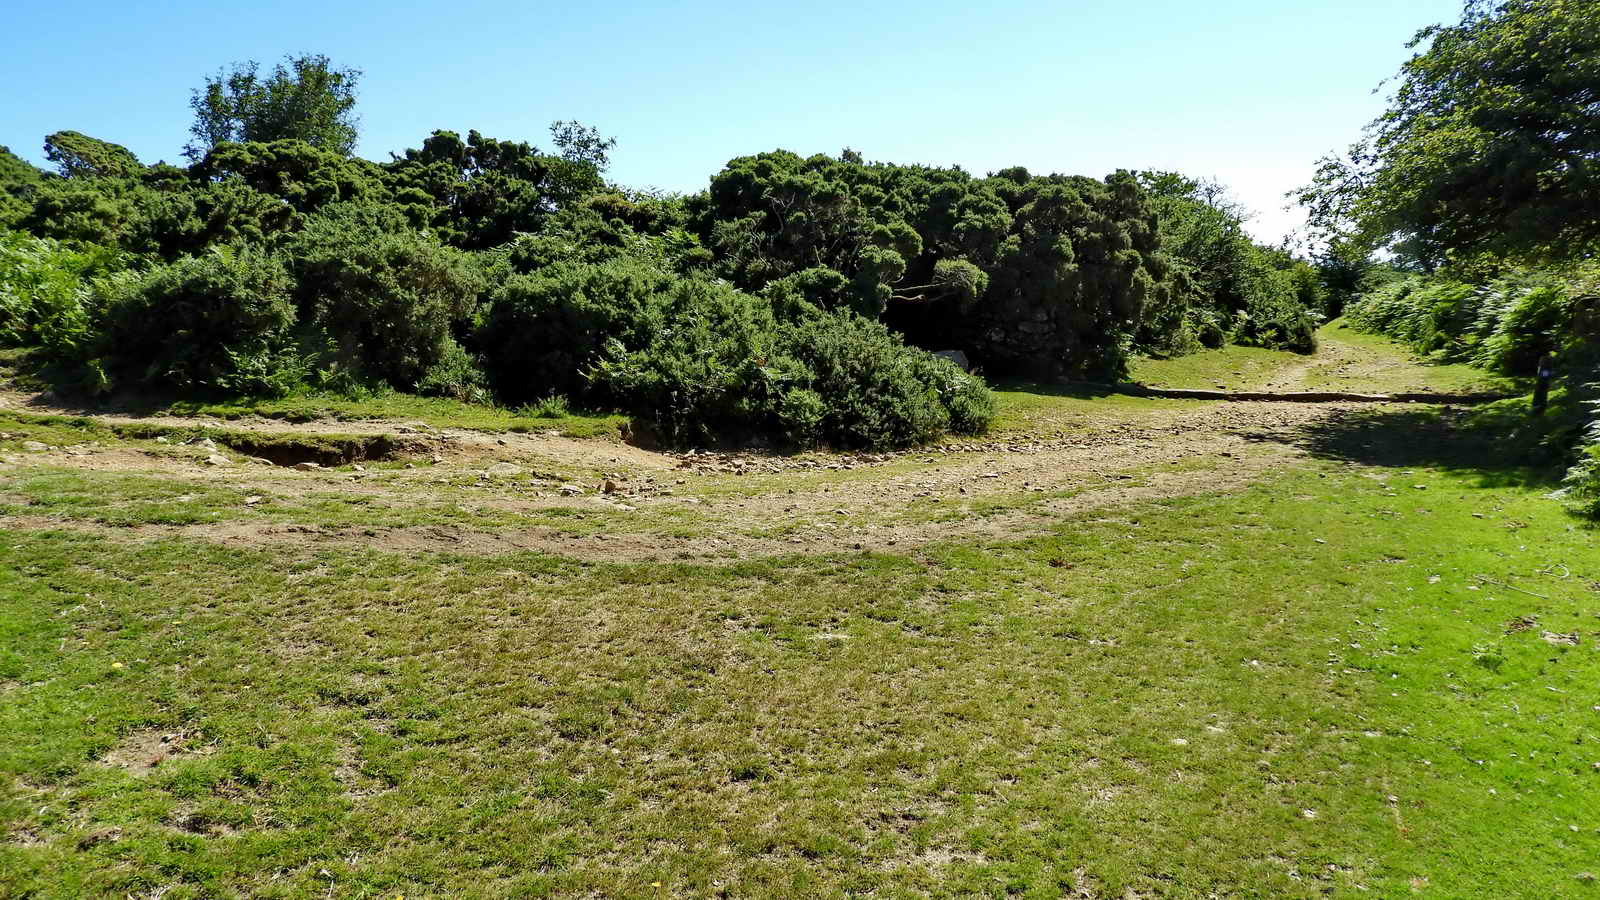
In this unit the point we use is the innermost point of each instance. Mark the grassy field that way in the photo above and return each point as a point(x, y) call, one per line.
point(1367, 668)
point(1348, 360)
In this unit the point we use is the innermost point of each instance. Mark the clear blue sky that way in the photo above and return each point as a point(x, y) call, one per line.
point(1248, 91)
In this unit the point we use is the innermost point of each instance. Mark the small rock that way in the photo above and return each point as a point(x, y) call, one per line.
point(216, 460)
point(359, 468)
point(504, 469)
point(436, 460)
point(34, 446)
point(209, 444)
point(252, 500)
point(308, 466)
point(162, 439)
point(500, 441)
point(571, 490)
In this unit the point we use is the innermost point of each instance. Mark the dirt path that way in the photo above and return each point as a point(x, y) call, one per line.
point(599, 499)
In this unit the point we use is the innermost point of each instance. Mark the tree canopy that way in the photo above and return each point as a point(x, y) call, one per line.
point(1490, 146)
point(81, 156)
point(303, 98)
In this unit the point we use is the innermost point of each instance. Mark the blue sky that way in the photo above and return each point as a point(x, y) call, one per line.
point(1248, 91)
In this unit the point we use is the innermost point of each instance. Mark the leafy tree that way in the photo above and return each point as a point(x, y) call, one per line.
point(1225, 286)
point(1488, 147)
point(78, 155)
point(580, 143)
point(304, 98)
point(484, 191)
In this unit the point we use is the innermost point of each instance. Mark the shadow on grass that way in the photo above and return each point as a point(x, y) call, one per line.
point(1074, 390)
point(1499, 445)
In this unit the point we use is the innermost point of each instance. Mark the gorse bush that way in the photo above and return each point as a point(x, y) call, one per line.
point(726, 365)
point(542, 332)
point(200, 321)
point(389, 299)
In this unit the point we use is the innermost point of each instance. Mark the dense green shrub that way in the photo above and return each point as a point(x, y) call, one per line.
point(1505, 324)
point(485, 269)
point(543, 331)
point(726, 366)
point(388, 298)
point(1582, 483)
point(457, 375)
point(200, 321)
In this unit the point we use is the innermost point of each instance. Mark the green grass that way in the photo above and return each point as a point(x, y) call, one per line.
point(438, 412)
point(1404, 370)
point(1372, 673)
point(990, 719)
point(24, 368)
point(1039, 410)
point(1238, 368)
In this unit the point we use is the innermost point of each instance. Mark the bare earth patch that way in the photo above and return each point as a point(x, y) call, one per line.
point(142, 752)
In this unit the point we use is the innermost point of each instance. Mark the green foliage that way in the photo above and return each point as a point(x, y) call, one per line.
point(388, 298)
point(267, 369)
point(18, 180)
point(582, 144)
point(46, 293)
point(305, 176)
point(1582, 484)
point(200, 321)
point(1505, 324)
point(1225, 286)
point(473, 265)
point(482, 191)
point(1075, 276)
point(1487, 148)
point(554, 406)
point(543, 331)
point(304, 98)
point(1048, 275)
point(81, 156)
point(456, 375)
point(726, 366)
